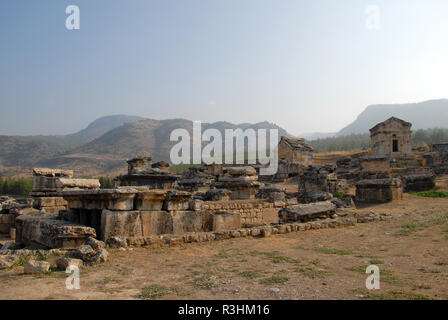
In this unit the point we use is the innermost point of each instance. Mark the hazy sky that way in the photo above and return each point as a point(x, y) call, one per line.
point(304, 65)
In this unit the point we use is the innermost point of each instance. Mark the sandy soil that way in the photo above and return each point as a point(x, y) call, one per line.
point(411, 250)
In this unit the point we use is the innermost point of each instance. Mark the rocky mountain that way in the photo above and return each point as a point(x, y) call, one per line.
point(107, 154)
point(102, 154)
point(99, 127)
point(423, 115)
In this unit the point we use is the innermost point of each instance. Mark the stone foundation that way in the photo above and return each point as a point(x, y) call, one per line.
point(256, 232)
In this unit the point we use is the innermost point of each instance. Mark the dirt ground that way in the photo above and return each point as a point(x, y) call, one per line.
point(411, 251)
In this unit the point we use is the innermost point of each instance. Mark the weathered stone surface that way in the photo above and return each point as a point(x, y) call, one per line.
point(111, 199)
point(94, 243)
point(217, 195)
point(46, 230)
point(40, 202)
point(241, 171)
point(135, 223)
point(225, 221)
point(337, 202)
point(187, 221)
point(316, 195)
point(147, 223)
point(84, 252)
point(47, 172)
point(271, 193)
point(100, 256)
point(63, 262)
point(295, 150)
point(391, 138)
point(6, 222)
point(66, 183)
point(36, 267)
point(418, 182)
point(7, 261)
point(306, 212)
point(141, 172)
point(195, 204)
point(177, 200)
point(151, 200)
point(379, 190)
point(116, 242)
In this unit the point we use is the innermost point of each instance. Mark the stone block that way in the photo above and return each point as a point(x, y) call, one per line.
point(379, 190)
point(307, 212)
point(225, 221)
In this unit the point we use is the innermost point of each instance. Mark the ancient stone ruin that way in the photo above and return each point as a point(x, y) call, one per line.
point(142, 172)
point(150, 205)
point(392, 138)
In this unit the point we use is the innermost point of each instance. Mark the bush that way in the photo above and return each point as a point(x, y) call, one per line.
point(16, 186)
point(431, 194)
point(107, 182)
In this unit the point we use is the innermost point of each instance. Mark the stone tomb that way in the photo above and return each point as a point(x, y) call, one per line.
point(48, 183)
point(307, 212)
point(241, 181)
point(379, 190)
point(142, 172)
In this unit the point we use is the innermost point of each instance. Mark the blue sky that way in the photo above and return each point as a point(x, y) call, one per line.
point(304, 65)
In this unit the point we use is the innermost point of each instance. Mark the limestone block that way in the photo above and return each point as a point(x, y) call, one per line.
point(135, 223)
point(46, 230)
point(225, 221)
point(187, 221)
point(151, 200)
point(418, 182)
point(36, 267)
point(47, 172)
point(306, 212)
point(63, 262)
point(379, 190)
point(67, 183)
point(177, 200)
point(39, 202)
point(7, 261)
point(242, 171)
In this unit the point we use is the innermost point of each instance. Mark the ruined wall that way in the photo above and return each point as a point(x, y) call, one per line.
point(253, 212)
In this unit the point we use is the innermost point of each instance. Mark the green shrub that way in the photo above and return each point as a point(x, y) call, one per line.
point(431, 194)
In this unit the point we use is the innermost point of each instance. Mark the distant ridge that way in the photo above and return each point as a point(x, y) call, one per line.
point(423, 115)
point(102, 147)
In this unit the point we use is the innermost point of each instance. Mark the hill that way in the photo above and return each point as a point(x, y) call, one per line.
point(102, 147)
point(19, 153)
point(106, 154)
point(99, 127)
point(423, 115)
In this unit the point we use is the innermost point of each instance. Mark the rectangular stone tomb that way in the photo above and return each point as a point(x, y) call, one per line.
point(45, 230)
point(307, 212)
point(418, 182)
point(379, 190)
